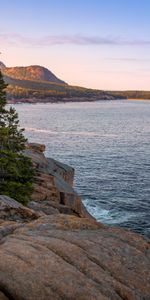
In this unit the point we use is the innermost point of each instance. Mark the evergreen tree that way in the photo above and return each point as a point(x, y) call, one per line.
point(16, 171)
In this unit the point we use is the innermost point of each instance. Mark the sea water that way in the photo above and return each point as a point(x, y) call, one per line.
point(108, 144)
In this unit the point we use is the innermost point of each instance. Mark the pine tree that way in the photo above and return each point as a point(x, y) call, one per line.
point(16, 171)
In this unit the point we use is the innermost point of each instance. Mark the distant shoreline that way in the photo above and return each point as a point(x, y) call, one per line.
point(138, 99)
point(62, 100)
point(69, 100)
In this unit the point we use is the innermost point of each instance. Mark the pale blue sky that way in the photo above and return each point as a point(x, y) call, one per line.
point(99, 44)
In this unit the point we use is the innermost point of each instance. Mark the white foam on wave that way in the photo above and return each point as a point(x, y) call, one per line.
point(98, 213)
point(40, 130)
point(78, 133)
point(91, 133)
point(82, 133)
point(109, 217)
point(86, 133)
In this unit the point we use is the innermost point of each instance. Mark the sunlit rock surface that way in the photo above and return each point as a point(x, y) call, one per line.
point(56, 250)
point(53, 185)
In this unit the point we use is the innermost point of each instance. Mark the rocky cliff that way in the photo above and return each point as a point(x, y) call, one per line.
point(53, 249)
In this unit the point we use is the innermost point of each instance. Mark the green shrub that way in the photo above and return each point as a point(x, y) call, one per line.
point(16, 170)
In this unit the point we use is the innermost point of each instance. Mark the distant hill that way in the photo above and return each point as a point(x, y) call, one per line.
point(38, 84)
point(35, 73)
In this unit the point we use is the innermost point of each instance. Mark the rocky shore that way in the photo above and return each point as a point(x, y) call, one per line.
point(54, 249)
point(55, 99)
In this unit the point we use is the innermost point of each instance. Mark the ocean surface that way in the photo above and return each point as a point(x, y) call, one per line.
point(108, 144)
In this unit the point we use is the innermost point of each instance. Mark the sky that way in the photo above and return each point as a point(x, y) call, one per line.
point(103, 44)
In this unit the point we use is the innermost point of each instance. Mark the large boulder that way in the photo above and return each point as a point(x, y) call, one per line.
point(13, 211)
point(49, 165)
point(53, 185)
point(66, 257)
